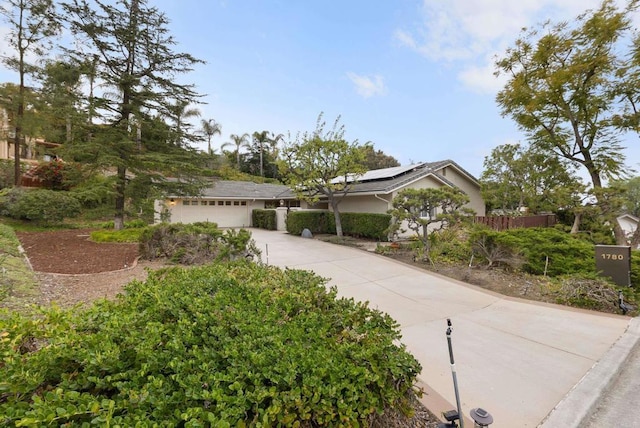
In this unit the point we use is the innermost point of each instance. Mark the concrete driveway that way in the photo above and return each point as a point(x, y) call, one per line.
point(514, 358)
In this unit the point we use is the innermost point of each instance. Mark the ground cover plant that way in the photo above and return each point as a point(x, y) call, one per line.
point(16, 279)
point(223, 345)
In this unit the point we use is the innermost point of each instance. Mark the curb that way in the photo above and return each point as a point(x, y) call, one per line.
point(579, 402)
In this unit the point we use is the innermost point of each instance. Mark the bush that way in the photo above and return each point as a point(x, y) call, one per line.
point(264, 219)
point(366, 225)
point(222, 345)
point(42, 206)
point(362, 225)
point(635, 269)
point(567, 254)
point(195, 243)
point(58, 175)
point(6, 173)
point(315, 221)
point(124, 235)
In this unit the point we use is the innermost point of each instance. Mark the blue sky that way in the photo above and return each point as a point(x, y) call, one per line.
point(413, 77)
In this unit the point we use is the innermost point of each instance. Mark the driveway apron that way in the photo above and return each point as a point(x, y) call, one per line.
point(514, 358)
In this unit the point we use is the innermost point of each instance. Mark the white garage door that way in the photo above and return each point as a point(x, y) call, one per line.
point(225, 213)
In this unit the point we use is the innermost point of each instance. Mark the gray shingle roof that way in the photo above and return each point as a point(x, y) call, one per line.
point(394, 182)
point(247, 190)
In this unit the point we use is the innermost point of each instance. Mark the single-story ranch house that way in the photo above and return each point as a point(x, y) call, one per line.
point(230, 203)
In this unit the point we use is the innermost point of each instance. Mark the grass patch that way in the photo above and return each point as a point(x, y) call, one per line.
point(124, 235)
point(18, 284)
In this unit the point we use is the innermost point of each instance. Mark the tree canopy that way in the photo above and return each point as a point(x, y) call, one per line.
point(425, 210)
point(517, 177)
point(564, 90)
point(131, 52)
point(322, 164)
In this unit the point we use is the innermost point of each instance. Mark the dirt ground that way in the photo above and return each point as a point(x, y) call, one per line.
point(72, 269)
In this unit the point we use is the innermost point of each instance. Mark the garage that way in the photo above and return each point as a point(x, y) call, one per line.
point(227, 203)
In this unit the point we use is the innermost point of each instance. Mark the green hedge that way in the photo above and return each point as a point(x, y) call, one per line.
point(264, 219)
point(45, 207)
point(364, 225)
point(225, 345)
point(635, 268)
point(315, 221)
point(567, 254)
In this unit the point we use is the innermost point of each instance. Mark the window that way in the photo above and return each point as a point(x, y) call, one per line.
point(203, 202)
point(227, 203)
point(220, 203)
point(236, 203)
point(212, 202)
point(428, 214)
point(243, 203)
point(185, 202)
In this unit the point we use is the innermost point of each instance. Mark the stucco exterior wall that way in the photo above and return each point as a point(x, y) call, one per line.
point(476, 202)
point(365, 204)
point(224, 212)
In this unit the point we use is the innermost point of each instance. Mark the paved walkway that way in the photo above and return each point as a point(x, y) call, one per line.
point(514, 358)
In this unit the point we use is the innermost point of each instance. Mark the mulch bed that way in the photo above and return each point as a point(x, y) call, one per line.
point(72, 252)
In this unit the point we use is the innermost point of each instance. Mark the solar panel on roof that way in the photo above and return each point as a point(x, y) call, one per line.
point(379, 174)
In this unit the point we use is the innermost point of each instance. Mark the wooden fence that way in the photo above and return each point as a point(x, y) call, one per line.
point(506, 222)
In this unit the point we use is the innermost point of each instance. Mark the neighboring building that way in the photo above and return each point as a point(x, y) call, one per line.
point(629, 224)
point(229, 203)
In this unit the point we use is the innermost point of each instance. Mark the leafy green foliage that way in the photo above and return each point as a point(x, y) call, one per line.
point(315, 221)
point(45, 207)
point(221, 345)
point(6, 173)
point(322, 164)
point(17, 280)
point(264, 219)
point(123, 235)
point(635, 269)
point(424, 210)
point(516, 177)
point(542, 248)
point(362, 225)
point(376, 159)
point(366, 225)
point(195, 243)
point(572, 90)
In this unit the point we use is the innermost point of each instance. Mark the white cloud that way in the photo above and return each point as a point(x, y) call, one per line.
point(470, 34)
point(368, 86)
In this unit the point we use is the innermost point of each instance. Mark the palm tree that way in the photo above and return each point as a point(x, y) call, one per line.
point(239, 141)
point(269, 138)
point(179, 112)
point(210, 128)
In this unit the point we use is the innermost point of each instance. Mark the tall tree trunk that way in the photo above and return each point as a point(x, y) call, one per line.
point(576, 223)
point(336, 215)
point(118, 220)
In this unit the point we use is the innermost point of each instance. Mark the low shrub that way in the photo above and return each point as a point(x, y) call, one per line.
point(361, 225)
point(41, 206)
point(17, 281)
point(541, 249)
point(124, 235)
point(366, 225)
point(264, 219)
point(588, 291)
point(223, 345)
point(635, 269)
point(315, 221)
point(195, 243)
